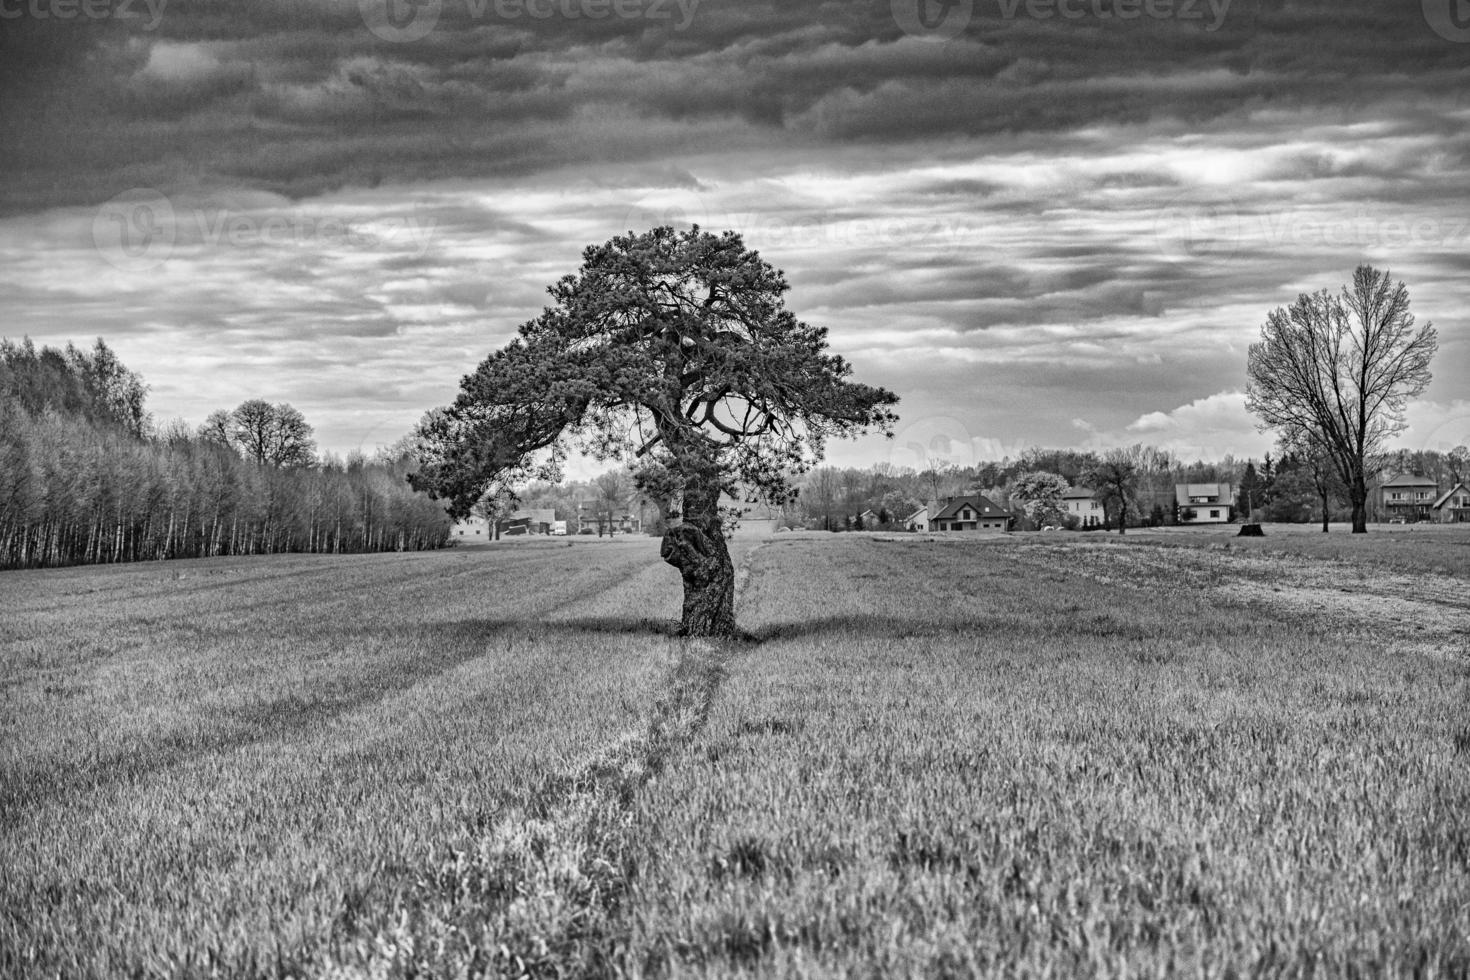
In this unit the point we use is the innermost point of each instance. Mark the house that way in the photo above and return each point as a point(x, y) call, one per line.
point(1453, 506)
point(919, 519)
point(971, 513)
point(870, 519)
point(1080, 503)
point(471, 530)
point(1408, 498)
point(1203, 503)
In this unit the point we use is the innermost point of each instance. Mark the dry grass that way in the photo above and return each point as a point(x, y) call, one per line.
point(1044, 755)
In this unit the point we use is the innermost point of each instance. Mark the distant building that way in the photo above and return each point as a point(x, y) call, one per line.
point(919, 519)
point(971, 513)
point(1453, 506)
point(471, 530)
point(1081, 504)
point(1203, 503)
point(1408, 498)
point(524, 522)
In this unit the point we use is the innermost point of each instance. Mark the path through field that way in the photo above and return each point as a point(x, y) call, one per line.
point(1059, 755)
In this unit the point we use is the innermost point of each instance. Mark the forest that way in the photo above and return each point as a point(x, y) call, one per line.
point(87, 477)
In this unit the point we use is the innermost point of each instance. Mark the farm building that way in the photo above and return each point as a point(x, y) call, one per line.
point(1453, 506)
point(1203, 503)
point(1408, 497)
point(1081, 504)
point(971, 513)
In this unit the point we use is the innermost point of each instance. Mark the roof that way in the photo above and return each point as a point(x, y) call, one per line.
point(1078, 493)
point(1445, 497)
point(921, 514)
point(1184, 492)
point(983, 505)
point(1409, 480)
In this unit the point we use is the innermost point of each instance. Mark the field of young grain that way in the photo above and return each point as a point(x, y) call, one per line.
point(1034, 755)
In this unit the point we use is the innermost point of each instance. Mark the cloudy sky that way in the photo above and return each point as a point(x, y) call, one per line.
point(1055, 222)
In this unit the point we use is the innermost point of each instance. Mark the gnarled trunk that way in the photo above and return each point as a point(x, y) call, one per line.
point(696, 547)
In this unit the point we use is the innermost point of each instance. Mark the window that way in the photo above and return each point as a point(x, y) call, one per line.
point(1214, 513)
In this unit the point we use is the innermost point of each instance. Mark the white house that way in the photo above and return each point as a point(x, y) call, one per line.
point(1408, 497)
point(919, 519)
point(1203, 503)
point(471, 530)
point(1453, 506)
point(1079, 502)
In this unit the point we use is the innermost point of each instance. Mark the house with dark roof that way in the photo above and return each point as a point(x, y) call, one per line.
point(1453, 506)
point(1082, 503)
point(1408, 498)
point(971, 513)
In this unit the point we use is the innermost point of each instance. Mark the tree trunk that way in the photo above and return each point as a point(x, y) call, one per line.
point(696, 547)
point(1358, 493)
point(1324, 513)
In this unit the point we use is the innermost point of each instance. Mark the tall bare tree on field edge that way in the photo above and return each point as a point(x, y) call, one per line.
point(673, 350)
point(1342, 367)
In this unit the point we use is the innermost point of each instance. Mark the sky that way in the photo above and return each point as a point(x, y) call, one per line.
point(1039, 222)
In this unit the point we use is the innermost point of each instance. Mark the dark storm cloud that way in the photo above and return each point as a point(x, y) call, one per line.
point(298, 97)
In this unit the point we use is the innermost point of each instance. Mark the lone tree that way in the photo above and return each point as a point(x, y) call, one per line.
point(1115, 480)
point(674, 349)
point(1341, 367)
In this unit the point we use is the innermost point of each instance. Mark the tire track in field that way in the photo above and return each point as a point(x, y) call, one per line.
point(543, 892)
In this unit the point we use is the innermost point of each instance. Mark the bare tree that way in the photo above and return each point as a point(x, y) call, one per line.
point(274, 435)
point(1342, 367)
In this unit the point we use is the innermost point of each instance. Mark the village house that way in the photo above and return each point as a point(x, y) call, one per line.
point(1203, 503)
point(1408, 498)
point(1453, 506)
point(1081, 504)
point(919, 519)
point(471, 530)
point(971, 513)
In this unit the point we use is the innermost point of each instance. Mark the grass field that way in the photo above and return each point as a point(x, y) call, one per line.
point(1037, 755)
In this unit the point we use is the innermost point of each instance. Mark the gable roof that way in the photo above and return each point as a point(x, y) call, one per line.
point(1445, 497)
point(1409, 480)
point(1078, 493)
point(983, 507)
point(1184, 491)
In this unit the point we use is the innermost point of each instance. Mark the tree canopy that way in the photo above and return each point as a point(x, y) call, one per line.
point(671, 349)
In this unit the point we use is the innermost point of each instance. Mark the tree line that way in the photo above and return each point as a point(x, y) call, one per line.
point(86, 477)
